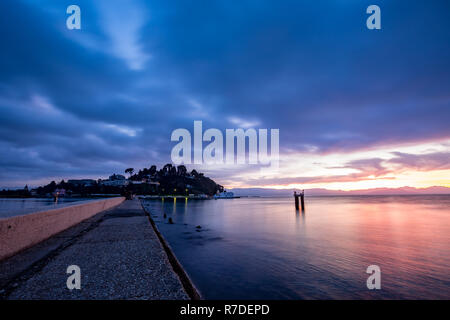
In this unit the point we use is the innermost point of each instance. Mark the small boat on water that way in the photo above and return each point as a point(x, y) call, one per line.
point(225, 195)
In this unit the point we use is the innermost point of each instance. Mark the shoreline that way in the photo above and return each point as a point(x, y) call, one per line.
point(177, 267)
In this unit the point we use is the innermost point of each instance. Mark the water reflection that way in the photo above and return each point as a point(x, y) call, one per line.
point(15, 206)
point(263, 248)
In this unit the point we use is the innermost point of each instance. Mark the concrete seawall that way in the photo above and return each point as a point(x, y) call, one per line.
point(21, 232)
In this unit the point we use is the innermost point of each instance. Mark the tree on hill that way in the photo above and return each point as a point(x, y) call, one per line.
point(181, 170)
point(170, 180)
point(194, 173)
point(129, 171)
point(166, 169)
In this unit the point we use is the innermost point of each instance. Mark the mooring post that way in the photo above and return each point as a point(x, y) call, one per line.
point(303, 199)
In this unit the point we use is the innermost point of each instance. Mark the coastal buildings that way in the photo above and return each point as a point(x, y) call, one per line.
point(59, 192)
point(168, 181)
point(115, 180)
point(225, 195)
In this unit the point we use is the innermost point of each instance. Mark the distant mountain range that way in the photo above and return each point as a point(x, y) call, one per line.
point(263, 192)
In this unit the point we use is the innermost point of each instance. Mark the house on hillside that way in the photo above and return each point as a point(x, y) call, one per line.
point(59, 192)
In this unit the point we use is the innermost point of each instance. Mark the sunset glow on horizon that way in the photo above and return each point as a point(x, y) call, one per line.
point(420, 165)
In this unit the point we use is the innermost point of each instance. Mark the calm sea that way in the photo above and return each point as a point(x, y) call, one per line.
point(10, 207)
point(261, 248)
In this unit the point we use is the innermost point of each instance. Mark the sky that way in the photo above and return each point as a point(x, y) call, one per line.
point(356, 108)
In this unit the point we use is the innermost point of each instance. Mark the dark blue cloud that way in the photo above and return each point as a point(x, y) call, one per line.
point(108, 96)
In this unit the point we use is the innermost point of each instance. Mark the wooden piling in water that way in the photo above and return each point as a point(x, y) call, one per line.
point(302, 200)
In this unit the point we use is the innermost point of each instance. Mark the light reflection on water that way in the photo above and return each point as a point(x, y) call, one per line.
point(261, 248)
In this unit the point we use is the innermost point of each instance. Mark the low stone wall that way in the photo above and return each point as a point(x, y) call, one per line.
point(21, 232)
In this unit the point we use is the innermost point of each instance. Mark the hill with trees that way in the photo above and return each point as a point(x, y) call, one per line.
point(169, 180)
